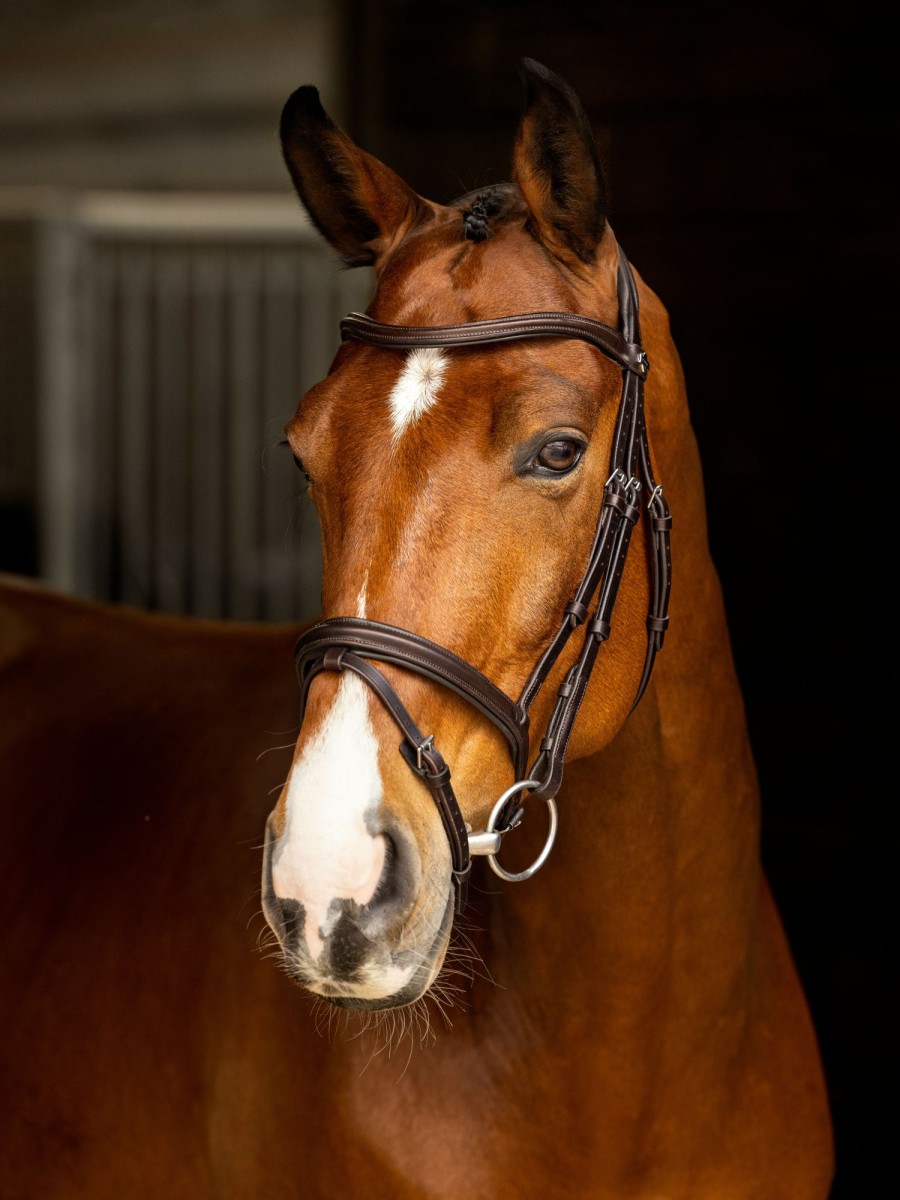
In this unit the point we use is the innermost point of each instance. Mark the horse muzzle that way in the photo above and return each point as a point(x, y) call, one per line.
point(376, 953)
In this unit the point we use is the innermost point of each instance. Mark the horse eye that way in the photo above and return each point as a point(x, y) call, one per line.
point(560, 455)
point(298, 463)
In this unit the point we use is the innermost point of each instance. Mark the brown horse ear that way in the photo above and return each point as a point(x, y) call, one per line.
point(357, 203)
point(556, 166)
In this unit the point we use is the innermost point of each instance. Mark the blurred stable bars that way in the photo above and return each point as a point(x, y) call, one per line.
point(174, 335)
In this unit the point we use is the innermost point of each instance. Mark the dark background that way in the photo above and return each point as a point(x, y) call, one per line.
point(746, 146)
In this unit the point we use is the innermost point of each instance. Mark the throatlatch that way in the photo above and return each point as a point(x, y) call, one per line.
point(352, 644)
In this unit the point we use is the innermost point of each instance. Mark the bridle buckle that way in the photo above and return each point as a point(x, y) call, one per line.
point(427, 744)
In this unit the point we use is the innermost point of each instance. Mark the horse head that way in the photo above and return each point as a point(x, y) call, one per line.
point(458, 490)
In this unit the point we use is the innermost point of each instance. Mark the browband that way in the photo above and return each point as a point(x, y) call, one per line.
point(629, 355)
point(349, 643)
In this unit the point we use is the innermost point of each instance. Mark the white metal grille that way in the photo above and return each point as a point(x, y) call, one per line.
point(177, 336)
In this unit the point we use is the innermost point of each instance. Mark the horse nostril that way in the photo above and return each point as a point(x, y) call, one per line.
point(386, 888)
point(398, 885)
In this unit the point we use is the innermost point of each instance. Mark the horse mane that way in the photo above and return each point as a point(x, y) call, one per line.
point(485, 208)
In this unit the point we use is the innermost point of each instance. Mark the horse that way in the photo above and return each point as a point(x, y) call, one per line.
point(626, 1023)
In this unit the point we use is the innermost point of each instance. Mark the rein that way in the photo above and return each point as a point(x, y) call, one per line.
point(353, 644)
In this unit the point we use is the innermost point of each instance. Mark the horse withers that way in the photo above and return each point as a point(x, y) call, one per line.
point(647, 1035)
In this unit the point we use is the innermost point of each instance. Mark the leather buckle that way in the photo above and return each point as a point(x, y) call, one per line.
point(427, 744)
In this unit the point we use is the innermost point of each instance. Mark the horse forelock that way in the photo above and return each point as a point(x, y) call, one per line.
point(484, 209)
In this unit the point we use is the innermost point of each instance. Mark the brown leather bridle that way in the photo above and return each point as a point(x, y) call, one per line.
point(352, 643)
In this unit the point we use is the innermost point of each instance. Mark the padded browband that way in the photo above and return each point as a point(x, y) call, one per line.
point(629, 355)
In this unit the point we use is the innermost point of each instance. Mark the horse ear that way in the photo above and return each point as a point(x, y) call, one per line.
point(556, 167)
point(357, 203)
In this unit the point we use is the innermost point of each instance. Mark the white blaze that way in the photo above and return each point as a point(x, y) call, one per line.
point(417, 388)
point(326, 851)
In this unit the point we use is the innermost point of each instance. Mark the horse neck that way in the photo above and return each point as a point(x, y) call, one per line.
point(652, 893)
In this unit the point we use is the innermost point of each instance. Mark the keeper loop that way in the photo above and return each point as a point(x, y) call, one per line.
point(333, 658)
point(577, 611)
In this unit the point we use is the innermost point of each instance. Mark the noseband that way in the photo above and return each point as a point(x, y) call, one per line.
point(353, 644)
